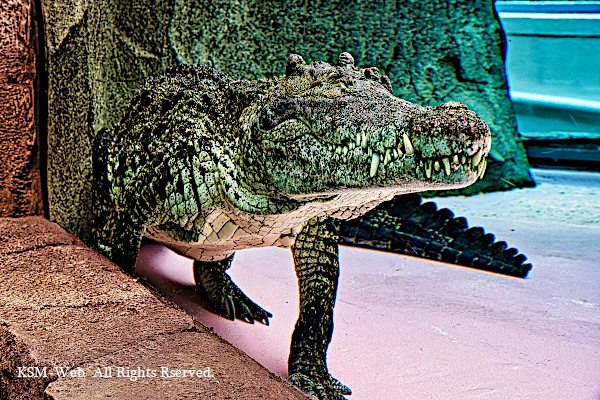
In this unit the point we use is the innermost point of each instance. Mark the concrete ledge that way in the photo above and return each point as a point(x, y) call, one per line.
point(64, 306)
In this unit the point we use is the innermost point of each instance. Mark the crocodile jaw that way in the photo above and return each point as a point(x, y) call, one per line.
point(380, 158)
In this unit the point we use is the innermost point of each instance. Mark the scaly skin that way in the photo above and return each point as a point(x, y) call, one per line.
point(405, 226)
point(207, 166)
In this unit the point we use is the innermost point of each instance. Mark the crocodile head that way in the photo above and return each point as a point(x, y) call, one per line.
point(330, 129)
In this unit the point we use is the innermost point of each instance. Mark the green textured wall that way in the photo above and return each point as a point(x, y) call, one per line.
point(100, 52)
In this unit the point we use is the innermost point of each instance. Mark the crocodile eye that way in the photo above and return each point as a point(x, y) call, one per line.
point(168, 102)
point(275, 114)
point(145, 97)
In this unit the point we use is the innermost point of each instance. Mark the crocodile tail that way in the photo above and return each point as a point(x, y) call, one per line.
point(407, 226)
point(104, 214)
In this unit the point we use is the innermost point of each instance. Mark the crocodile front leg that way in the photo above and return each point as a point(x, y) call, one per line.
point(317, 267)
point(225, 297)
point(126, 241)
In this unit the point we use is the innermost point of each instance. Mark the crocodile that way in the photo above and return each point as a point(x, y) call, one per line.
point(208, 165)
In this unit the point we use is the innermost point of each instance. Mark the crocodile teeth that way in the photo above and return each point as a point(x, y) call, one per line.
point(463, 159)
point(455, 159)
point(338, 150)
point(388, 157)
point(477, 157)
point(428, 168)
point(408, 147)
point(436, 166)
point(358, 139)
point(345, 150)
point(446, 163)
point(363, 144)
point(395, 153)
point(481, 169)
point(374, 165)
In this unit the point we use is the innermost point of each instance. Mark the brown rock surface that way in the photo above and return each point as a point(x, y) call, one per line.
point(64, 306)
point(20, 187)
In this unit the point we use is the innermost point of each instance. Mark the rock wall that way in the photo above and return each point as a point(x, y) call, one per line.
point(20, 178)
point(100, 52)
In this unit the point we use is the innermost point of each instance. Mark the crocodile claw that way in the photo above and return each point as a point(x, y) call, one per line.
point(241, 311)
point(320, 387)
point(264, 319)
point(241, 307)
point(229, 308)
point(226, 298)
point(246, 314)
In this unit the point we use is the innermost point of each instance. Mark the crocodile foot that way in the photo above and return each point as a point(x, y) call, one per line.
point(226, 298)
point(320, 387)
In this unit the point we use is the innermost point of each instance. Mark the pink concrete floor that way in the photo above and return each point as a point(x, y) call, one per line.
point(406, 328)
